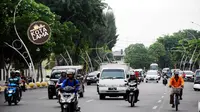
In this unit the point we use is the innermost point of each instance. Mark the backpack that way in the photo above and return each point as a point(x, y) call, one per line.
point(73, 81)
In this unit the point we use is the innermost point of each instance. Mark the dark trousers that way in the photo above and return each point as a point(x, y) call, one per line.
point(172, 96)
point(136, 94)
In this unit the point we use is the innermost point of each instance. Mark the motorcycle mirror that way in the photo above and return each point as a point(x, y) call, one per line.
point(47, 76)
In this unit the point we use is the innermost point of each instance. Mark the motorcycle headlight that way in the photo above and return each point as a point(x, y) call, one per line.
point(51, 83)
point(10, 91)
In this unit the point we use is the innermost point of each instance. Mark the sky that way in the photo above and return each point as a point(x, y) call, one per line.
point(143, 21)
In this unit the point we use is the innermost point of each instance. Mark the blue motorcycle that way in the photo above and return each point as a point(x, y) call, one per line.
point(12, 96)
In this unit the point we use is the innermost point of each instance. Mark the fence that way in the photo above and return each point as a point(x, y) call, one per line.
point(26, 73)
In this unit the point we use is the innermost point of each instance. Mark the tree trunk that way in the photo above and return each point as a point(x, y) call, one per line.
point(41, 71)
point(38, 72)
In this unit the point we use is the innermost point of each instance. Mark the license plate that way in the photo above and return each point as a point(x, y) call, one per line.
point(112, 88)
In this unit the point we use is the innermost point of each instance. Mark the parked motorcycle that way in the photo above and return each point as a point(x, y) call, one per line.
point(12, 96)
point(132, 87)
point(68, 100)
point(165, 80)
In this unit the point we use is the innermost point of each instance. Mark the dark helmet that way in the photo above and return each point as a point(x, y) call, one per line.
point(12, 73)
point(63, 74)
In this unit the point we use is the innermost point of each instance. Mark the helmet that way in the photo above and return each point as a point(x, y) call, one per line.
point(176, 73)
point(71, 72)
point(63, 74)
point(12, 73)
point(17, 71)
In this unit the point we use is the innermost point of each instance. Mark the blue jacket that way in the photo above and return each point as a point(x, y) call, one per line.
point(61, 80)
point(68, 83)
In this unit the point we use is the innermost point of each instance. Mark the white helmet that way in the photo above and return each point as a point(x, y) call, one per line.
point(17, 71)
point(71, 71)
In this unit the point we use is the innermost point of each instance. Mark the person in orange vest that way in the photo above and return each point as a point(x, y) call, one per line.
point(176, 81)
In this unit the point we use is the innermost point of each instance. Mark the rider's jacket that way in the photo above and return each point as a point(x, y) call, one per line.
point(61, 80)
point(14, 80)
point(73, 83)
point(132, 79)
point(178, 83)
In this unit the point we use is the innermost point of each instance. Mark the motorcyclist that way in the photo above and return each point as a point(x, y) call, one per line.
point(135, 79)
point(62, 78)
point(175, 81)
point(18, 75)
point(15, 80)
point(71, 81)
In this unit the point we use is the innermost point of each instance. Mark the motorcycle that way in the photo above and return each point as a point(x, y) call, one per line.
point(58, 91)
point(132, 87)
point(165, 80)
point(23, 86)
point(12, 94)
point(68, 100)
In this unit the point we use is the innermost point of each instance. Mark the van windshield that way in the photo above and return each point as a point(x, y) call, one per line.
point(56, 75)
point(197, 74)
point(113, 74)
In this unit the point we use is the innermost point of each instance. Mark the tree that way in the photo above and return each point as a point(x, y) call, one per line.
point(137, 56)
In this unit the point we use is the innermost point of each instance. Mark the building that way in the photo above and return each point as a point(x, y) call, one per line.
point(118, 55)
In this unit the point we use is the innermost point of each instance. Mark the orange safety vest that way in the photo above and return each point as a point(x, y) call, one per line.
point(178, 83)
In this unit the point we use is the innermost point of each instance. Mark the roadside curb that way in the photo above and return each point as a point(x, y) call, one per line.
point(30, 86)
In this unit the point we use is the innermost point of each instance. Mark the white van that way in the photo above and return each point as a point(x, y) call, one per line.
point(112, 80)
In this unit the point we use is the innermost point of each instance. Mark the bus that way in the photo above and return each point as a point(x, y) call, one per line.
point(154, 66)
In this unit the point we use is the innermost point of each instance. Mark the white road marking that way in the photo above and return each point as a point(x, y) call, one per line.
point(162, 96)
point(198, 106)
point(164, 93)
point(159, 101)
point(89, 101)
point(155, 107)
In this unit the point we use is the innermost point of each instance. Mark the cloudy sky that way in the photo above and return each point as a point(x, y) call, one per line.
point(142, 21)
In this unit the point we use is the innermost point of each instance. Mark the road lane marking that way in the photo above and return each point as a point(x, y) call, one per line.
point(199, 107)
point(155, 107)
point(159, 101)
point(164, 93)
point(162, 96)
point(89, 101)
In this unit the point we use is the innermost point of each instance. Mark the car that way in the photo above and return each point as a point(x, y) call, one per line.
point(196, 86)
point(92, 77)
point(152, 76)
point(164, 71)
point(55, 75)
point(189, 76)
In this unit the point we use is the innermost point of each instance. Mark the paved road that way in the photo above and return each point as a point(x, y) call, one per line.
point(154, 97)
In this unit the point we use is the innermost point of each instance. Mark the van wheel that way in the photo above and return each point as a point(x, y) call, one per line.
point(157, 81)
point(101, 97)
point(146, 81)
point(50, 96)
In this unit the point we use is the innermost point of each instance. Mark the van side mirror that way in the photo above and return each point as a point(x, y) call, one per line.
point(98, 75)
point(47, 76)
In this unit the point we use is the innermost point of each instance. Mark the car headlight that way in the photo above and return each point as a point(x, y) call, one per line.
point(51, 83)
point(102, 85)
point(88, 78)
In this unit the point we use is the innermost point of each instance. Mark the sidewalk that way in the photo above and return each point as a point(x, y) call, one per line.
point(2, 87)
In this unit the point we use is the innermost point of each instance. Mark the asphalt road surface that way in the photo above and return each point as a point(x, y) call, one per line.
point(154, 97)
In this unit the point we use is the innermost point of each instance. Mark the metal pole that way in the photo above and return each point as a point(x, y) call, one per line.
point(98, 54)
point(89, 60)
point(64, 59)
point(18, 52)
point(69, 57)
point(185, 63)
point(196, 60)
point(21, 39)
point(192, 56)
point(182, 60)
